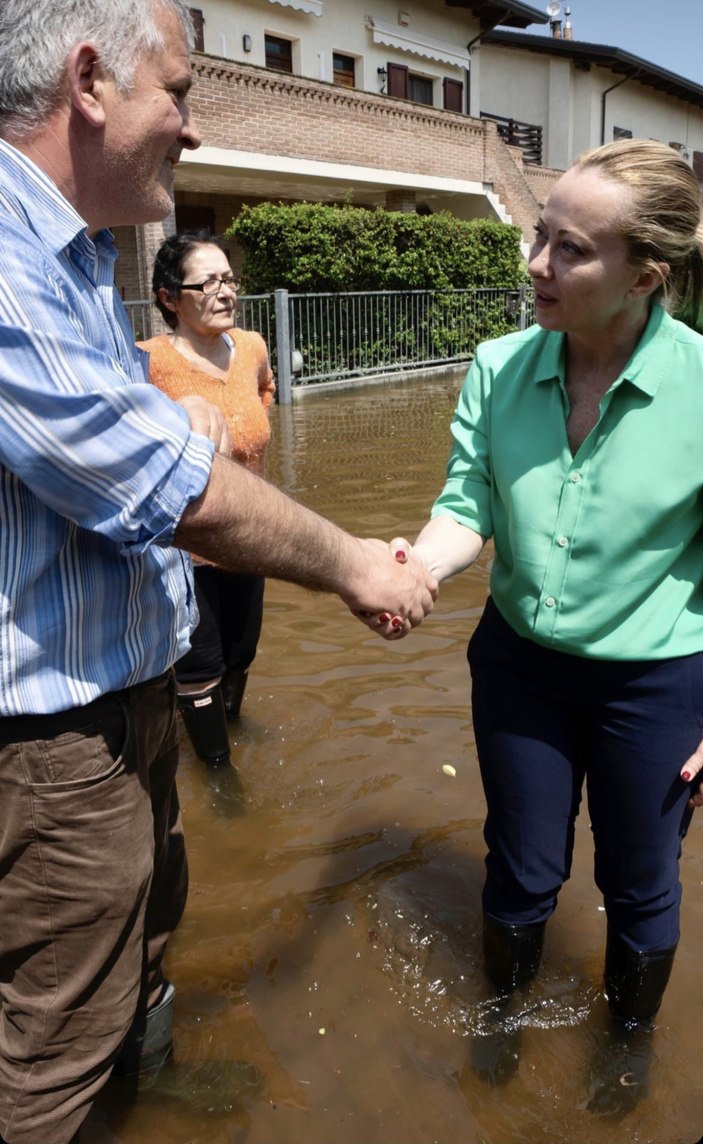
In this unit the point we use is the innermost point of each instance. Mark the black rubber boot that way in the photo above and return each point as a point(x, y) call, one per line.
point(149, 1042)
point(205, 719)
point(634, 984)
point(511, 959)
point(234, 684)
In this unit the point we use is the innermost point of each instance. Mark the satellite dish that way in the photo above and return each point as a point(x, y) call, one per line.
point(553, 9)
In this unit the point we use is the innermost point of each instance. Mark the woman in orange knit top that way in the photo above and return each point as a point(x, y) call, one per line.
point(204, 354)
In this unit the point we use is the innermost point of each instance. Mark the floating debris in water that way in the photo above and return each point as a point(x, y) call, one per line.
point(449, 769)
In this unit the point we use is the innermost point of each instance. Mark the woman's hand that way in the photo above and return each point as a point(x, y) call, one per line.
point(692, 768)
point(417, 594)
point(383, 623)
point(209, 421)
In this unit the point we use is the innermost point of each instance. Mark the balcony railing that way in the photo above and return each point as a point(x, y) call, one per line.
point(526, 136)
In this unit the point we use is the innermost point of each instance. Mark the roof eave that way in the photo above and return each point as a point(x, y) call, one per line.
point(493, 13)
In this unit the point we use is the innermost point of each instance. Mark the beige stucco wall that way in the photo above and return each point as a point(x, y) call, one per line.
point(341, 28)
point(568, 103)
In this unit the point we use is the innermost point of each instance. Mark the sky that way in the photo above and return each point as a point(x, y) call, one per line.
point(668, 33)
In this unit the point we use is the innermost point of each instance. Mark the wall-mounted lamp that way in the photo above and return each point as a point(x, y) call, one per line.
point(382, 74)
point(246, 42)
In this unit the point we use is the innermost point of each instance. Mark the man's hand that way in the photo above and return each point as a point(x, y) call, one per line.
point(392, 596)
point(691, 768)
point(209, 421)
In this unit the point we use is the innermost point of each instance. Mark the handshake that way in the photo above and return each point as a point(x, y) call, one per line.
point(398, 590)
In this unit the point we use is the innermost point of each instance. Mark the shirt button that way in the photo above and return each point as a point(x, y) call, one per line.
point(550, 601)
point(563, 541)
point(575, 478)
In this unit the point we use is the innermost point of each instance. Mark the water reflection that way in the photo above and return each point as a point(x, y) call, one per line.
point(332, 935)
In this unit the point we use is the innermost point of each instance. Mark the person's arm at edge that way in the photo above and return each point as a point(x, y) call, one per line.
point(243, 523)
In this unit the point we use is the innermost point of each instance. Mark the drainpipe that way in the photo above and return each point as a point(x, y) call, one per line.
point(633, 75)
point(469, 46)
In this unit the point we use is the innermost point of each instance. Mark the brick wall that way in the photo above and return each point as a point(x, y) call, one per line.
point(541, 181)
point(258, 110)
point(127, 268)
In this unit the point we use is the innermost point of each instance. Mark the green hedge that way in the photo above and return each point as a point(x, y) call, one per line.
point(315, 248)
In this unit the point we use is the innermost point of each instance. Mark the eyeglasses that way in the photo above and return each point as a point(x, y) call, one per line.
point(212, 285)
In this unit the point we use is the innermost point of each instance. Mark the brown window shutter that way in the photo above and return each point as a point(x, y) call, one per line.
point(398, 80)
point(196, 15)
point(453, 95)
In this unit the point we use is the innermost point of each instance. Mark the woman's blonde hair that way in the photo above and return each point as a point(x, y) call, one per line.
point(664, 222)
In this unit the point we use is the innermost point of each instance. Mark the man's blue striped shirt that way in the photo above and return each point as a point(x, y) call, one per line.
point(96, 467)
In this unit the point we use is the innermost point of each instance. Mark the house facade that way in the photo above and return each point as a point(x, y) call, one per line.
point(584, 94)
point(410, 108)
point(337, 100)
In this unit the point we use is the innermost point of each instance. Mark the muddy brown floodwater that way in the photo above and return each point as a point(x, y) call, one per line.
point(331, 938)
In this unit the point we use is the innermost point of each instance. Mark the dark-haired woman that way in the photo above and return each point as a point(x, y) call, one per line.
point(204, 354)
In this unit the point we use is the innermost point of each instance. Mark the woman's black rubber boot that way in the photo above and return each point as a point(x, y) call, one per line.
point(634, 985)
point(234, 684)
point(205, 720)
point(512, 955)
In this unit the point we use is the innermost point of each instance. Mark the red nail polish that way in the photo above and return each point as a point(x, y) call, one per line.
point(384, 617)
point(401, 554)
point(685, 776)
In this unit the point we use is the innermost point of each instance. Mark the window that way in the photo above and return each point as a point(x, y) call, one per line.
point(196, 15)
point(279, 54)
point(344, 70)
point(420, 89)
point(405, 84)
point(453, 95)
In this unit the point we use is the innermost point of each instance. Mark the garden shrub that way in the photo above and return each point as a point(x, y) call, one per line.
point(316, 248)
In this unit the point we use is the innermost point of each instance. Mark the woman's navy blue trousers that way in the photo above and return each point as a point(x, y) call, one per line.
point(546, 721)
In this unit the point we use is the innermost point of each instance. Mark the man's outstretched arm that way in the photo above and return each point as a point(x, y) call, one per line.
point(247, 525)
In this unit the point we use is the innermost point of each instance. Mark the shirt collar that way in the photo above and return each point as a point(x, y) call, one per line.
point(644, 369)
point(46, 211)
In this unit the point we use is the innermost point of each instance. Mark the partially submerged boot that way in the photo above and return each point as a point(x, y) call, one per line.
point(234, 684)
point(634, 984)
point(512, 955)
point(145, 1065)
point(149, 1043)
point(205, 721)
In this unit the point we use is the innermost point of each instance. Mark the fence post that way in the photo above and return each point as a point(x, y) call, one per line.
point(283, 347)
point(522, 321)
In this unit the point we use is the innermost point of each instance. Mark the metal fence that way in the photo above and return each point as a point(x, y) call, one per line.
point(140, 315)
point(338, 337)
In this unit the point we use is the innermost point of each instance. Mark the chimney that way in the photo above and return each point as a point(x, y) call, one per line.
point(554, 13)
point(568, 30)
